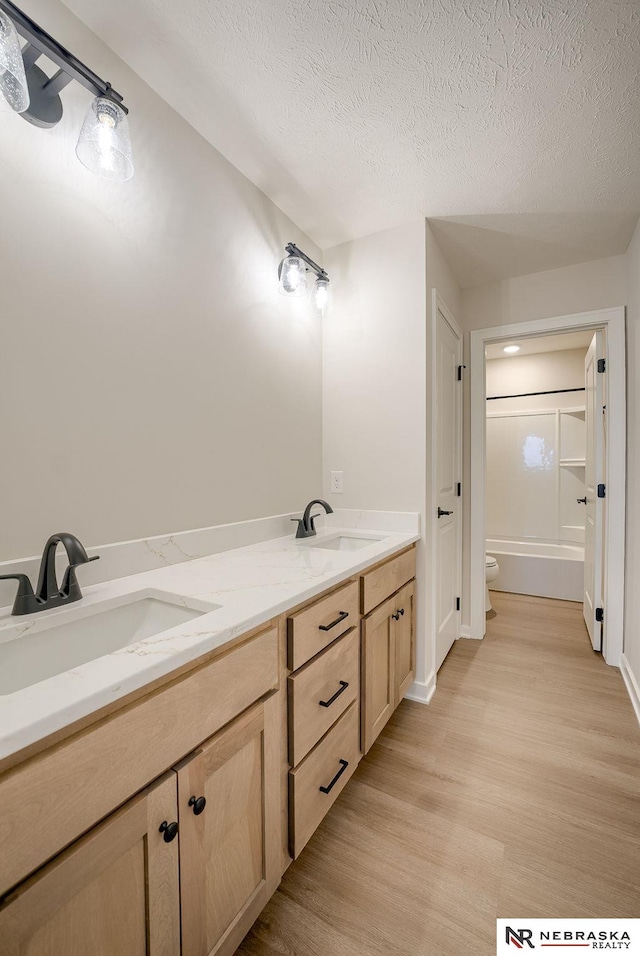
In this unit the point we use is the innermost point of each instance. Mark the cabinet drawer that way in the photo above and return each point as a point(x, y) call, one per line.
point(52, 799)
point(320, 692)
point(378, 584)
point(318, 625)
point(321, 777)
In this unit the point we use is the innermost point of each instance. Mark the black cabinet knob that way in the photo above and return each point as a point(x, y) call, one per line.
point(401, 611)
point(396, 616)
point(198, 804)
point(169, 831)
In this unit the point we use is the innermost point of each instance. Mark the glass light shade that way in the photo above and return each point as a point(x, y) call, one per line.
point(14, 92)
point(322, 293)
point(293, 277)
point(511, 349)
point(104, 144)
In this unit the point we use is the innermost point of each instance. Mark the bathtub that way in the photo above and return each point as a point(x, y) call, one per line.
point(532, 567)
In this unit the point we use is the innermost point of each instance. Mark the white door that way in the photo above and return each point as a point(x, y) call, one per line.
point(594, 475)
point(448, 505)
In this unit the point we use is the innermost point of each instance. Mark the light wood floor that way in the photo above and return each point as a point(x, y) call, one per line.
point(515, 793)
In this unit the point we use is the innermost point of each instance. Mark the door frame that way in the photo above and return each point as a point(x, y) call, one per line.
point(438, 305)
point(613, 322)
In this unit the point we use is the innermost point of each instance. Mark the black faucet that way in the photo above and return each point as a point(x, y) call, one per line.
point(48, 594)
point(306, 526)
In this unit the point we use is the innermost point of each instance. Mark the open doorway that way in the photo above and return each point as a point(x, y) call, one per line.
point(544, 464)
point(547, 459)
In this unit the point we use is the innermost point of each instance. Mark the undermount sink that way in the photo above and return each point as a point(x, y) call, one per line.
point(344, 542)
point(85, 634)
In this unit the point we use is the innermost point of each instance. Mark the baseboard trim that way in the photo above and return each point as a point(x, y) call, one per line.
point(631, 684)
point(465, 631)
point(422, 691)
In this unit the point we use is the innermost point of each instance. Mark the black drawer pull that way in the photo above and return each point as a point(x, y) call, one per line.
point(344, 765)
point(341, 617)
point(340, 690)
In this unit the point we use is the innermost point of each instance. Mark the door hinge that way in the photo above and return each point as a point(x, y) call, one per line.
point(602, 365)
point(460, 367)
point(599, 615)
point(457, 604)
point(602, 491)
point(459, 490)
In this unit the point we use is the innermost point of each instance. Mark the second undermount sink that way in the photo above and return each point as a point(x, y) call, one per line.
point(345, 542)
point(82, 634)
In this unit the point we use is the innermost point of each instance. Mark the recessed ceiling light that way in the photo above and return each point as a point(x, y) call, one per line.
point(510, 349)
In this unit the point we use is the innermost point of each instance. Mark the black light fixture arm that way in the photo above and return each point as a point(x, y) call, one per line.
point(293, 250)
point(39, 42)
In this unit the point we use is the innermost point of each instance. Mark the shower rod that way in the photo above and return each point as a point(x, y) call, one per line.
point(553, 391)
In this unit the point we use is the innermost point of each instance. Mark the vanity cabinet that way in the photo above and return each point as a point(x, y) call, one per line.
point(228, 814)
point(320, 692)
point(114, 891)
point(50, 800)
point(404, 640)
point(323, 707)
point(317, 782)
point(137, 874)
point(317, 625)
point(378, 672)
point(183, 869)
point(388, 643)
point(160, 828)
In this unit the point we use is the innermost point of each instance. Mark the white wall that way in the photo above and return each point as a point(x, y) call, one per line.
point(440, 277)
point(151, 377)
point(632, 575)
point(538, 372)
point(584, 287)
point(374, 371)
point(375, 383)
point(580, 288)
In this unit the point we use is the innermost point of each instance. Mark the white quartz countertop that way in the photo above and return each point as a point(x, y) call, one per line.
point(250, 585)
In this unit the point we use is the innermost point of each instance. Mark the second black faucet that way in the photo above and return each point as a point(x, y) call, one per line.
point(306, 525)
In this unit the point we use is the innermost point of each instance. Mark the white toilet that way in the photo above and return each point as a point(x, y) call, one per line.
point(492, 570)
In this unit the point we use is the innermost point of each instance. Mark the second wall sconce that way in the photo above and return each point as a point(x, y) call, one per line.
point(292, 275)
point(104, 145)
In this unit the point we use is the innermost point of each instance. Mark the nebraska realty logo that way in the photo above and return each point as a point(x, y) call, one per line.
point(560, 935)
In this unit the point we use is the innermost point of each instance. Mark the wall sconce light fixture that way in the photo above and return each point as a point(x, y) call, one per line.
point(292, 273)
point(104, 146)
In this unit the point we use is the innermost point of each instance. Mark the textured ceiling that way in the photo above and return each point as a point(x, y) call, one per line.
point(513, 125)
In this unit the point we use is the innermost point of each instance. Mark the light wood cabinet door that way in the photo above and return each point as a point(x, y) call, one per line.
point(404, 628)
point(230, 850)
point(378, 672)
point(114, 891)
